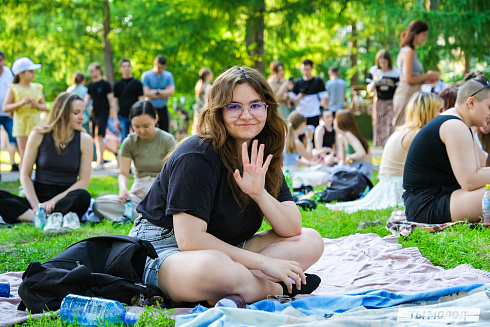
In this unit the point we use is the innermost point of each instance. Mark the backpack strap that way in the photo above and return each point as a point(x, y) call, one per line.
point(368, 181)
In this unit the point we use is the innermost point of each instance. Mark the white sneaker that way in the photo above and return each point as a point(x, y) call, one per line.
point(70, 222)
point(54, 223)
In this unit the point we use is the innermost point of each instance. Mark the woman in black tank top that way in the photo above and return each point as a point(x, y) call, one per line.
point(444, 177)
point(325, 137)
point(63, 155)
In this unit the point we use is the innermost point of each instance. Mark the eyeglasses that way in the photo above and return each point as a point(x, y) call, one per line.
point(482, 81)
point(257, 110)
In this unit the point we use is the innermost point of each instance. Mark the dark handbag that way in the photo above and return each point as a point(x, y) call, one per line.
point(346, 186)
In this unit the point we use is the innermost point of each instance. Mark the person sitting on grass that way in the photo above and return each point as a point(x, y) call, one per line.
point(421, 108)
point(445, 175)
point(146, 147)
point(325, 137)
point(62, 153)
point(203, 212)
point(303, 162)
point(352, 147)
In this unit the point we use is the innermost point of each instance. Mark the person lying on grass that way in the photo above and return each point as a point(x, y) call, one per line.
point(445, 174)
point(203, 211)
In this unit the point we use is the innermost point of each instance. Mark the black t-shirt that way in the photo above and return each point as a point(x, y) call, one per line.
point(312, 86)
point(127, 91)
point(98, 91)
point(386, 87)
point(199, 188)
point(427, 164)
point(328, 138)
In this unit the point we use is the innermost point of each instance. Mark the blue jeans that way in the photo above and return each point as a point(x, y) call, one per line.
point(125, 125)
point(8, 123)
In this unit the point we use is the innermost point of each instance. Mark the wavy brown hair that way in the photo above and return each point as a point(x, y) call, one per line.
point(347, 123)
point(211, 127)
point(415, 27)
point(59, 122)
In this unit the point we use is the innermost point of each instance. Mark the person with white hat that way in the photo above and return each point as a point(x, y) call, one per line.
point(25, 100)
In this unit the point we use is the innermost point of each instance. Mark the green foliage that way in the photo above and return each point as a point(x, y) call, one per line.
point(66, 35)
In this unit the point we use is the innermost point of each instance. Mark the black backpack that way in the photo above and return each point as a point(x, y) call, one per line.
point(109, 266)
point(346, 186)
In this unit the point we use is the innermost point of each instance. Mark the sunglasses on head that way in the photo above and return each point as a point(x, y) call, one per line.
point(483, 81)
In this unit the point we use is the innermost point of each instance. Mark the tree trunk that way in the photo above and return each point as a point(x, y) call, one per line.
point(254, 38)
point(106, 43)
point(353, 55)
point(467, 62)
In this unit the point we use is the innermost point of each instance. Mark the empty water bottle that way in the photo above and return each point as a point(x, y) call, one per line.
point(93, 311)
point(485, 206)
point(40, 217)
point(128, 210)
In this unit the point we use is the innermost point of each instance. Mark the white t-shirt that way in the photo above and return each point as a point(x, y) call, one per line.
point(5, 79)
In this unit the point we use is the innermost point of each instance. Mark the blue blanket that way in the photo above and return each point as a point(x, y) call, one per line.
point(320, 309)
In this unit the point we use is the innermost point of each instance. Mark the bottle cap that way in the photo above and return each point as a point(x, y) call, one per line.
point(41, 205)
point(129, 318)
point(488, 186)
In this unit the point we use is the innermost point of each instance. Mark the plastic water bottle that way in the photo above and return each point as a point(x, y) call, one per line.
point(128, 210)
point(485, 206)
point(40, 217)
point(93, 311)
point(289, 178)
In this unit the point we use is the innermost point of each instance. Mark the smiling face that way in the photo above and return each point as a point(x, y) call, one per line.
point(144, 126)
point(76, 117)
point(245, 127)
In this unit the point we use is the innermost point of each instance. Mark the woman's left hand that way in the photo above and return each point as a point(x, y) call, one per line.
point(254, 170)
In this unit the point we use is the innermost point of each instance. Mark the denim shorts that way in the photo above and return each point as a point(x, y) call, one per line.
point(164, 242)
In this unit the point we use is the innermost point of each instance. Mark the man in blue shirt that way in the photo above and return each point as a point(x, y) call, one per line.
point(336, 88)
point(158, 85)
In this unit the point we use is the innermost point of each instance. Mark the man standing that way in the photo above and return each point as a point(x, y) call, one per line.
point(158, 85)
point(127, 91)
point(309, 94)
point(100, 91)
point(6, 77)
point(336, 90)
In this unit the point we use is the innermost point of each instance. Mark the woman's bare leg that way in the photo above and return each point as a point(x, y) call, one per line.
point(466, 205)
point(210, 275)
point(306, 248)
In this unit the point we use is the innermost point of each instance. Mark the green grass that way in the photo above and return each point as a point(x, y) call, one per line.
point(454, 246)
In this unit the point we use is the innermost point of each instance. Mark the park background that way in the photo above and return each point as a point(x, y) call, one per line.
point(66, 35)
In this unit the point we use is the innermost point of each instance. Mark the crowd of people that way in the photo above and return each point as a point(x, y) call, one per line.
point(247, 132)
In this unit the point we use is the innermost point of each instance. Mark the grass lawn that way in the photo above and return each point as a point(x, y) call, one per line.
point(454, 246)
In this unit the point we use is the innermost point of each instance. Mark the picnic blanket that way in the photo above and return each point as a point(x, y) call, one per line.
point(353, 264)
point(399, 225)
point(467, 304)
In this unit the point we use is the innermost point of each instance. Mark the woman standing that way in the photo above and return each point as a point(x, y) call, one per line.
point(203, 211)
point(385, 81)
point(146, 148)
point(62, 154)
point(202, 89)
point(280, 87)
point(411, 77)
